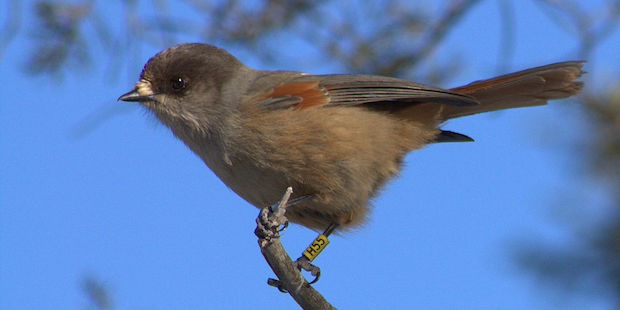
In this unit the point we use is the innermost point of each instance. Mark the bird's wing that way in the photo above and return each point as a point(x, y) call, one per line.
point(301, 91)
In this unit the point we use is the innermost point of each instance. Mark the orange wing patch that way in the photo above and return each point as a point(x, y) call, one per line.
point(309, 92)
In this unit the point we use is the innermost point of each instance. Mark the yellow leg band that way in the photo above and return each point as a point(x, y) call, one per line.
point(313, 250)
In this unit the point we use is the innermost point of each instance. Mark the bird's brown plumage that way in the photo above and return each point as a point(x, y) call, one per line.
point(337, 138)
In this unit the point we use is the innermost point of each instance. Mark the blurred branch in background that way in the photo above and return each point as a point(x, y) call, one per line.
point(58, 37)
point(388, 38)
point(370, 40)
point(589, 27)
point(508, 37)
point(591, 263)
point(96, 294)
point(12, 24)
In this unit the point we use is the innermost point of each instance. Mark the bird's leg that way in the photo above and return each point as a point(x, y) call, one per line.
point(313, 250)
point(271, 221)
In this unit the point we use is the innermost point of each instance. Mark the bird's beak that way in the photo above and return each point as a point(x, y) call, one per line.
point(133, 95)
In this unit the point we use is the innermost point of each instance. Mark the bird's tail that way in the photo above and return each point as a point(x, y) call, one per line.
point(525, 88)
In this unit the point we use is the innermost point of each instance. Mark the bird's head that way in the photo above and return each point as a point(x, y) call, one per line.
point(182, 85)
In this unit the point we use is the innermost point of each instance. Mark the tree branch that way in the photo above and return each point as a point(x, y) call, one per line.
point(290, 278)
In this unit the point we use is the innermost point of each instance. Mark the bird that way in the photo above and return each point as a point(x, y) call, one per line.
point(336, 139)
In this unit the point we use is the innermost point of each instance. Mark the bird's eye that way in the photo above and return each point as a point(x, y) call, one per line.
point(177, 83)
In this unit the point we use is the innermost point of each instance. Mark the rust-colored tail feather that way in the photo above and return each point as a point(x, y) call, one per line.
point(520, 89)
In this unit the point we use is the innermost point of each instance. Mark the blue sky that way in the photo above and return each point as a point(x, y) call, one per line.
point(131, 205)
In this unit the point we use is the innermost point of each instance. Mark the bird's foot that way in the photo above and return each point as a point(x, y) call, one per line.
point(268, 225)
point(303, 263)
point(277, 284)
point(271, 220)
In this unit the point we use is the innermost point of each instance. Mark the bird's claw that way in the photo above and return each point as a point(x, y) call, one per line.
point(277, 284)
point(268, 226)
point(304, 264)
point(284, 226)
